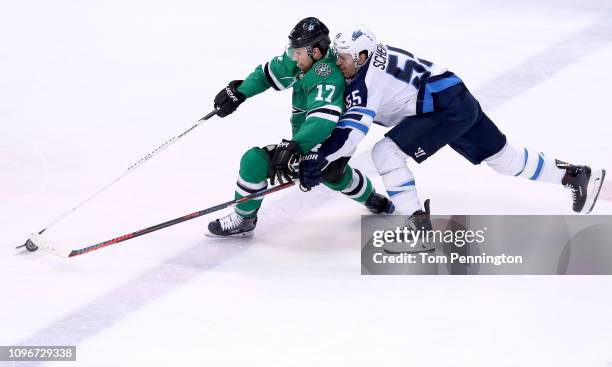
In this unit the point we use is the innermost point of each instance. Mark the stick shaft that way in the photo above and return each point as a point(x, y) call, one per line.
point(178, 220)
point(129, 170)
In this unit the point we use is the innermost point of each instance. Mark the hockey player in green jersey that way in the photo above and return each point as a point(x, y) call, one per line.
point(309, 68)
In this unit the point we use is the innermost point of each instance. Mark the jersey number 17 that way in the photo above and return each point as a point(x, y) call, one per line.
point(329, 91)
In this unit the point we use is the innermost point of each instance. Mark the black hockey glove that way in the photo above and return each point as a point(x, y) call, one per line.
point(311, 167)
point(283, 157)
point(229, 98)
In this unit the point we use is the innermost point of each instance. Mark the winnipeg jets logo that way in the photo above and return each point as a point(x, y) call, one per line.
point(356, 35)
point(419, 153)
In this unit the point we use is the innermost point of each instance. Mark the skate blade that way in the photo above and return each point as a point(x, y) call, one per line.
point(593, 189)
point(233, 236)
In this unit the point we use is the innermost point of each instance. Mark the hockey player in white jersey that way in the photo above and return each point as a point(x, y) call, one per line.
point(426, 107)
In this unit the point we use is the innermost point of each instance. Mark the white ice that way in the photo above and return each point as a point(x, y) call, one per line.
point(87, 88)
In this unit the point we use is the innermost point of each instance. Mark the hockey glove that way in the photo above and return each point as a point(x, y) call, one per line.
point(285, 154)
point(229, 98)
point(311, 167)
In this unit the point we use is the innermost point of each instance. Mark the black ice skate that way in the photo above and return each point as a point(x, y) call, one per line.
point(377, 204)
point(232, 225)
point(419, 225)
point(585, 184)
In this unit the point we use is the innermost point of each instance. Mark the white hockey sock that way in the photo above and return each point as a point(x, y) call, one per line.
point(526, 163)
point(390, 162)
point(401, 188)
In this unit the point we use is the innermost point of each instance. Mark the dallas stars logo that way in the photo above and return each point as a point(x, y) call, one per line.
point(323, 69)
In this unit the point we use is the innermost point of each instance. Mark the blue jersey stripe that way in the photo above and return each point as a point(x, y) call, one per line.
point(435, 87)
point(353, 124)
point(364, 111)
point(353, 116)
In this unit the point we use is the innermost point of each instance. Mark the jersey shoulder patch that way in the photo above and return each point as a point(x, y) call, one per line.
point(323, 69)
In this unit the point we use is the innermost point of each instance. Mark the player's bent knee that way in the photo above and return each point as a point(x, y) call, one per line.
point(387, 156)
point(255, 161)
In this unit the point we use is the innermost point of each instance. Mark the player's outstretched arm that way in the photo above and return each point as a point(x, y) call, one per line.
point(279, 74)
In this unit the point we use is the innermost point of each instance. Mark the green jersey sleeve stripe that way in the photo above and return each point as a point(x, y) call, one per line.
point(326, 116)
point(327, 112)
point(326, 109)
point(271, 78)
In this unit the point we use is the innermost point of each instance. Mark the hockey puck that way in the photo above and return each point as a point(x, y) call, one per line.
point(30, 246)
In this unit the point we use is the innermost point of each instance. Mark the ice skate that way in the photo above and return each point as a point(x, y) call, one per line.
point(232, 225)
point(377, 204)
point(418, 223)
point(585, 184)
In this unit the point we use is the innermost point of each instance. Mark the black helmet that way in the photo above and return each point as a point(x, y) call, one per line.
point(310, 33)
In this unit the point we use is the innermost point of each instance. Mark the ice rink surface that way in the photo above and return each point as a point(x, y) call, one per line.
point(86, 89)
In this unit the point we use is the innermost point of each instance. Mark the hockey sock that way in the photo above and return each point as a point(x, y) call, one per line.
point(390, 161)
point(248, 209)
point(401, 187)
point(253, 177)
point(526, 163)
point(353, 184)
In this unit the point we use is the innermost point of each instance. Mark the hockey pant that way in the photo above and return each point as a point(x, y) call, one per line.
point(458, 121)
point(253, 177)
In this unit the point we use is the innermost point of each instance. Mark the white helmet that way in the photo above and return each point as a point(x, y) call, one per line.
point(354, 40)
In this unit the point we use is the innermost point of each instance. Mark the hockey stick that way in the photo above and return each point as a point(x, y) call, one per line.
point(127, 171)
point(37, 240)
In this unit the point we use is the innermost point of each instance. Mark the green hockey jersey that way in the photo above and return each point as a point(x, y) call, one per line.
point(317, 95)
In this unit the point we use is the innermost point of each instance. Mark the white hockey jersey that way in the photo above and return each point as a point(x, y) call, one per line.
point(393, 85)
